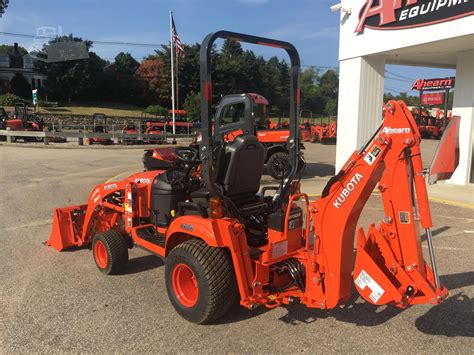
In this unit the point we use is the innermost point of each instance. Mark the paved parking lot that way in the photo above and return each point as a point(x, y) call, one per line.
point(54, 301)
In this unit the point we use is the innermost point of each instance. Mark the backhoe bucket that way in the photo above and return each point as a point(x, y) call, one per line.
point(67, 227)
point(380, 279)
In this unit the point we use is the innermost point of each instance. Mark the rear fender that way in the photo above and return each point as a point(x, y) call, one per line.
point(221, 233)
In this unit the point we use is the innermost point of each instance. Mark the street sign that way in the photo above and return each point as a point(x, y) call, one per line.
point(34, 94)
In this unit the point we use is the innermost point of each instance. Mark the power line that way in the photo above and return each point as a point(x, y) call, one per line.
point(405, 81)
point(113, 43)
point(400, 76)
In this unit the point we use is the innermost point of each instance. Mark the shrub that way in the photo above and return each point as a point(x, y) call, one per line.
point(9, 99)
point(156, 110)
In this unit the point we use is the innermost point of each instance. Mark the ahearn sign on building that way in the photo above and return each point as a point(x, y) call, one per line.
point(433, 84)
point(399, 14)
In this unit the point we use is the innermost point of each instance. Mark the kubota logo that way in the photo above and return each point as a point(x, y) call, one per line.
point(351, 185)
point(390, 130)
point(398, 14)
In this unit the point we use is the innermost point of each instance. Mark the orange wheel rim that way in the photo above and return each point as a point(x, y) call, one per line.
point(185, 285)
point(100, 254)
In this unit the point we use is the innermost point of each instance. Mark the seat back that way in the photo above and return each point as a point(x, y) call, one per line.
point(240, 166)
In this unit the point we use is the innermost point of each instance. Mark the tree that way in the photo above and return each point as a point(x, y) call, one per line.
point(408, 99)
point(329, 84)
point(192, 105)
point(76, 79)
point(311, 97)
point(120, 82)
point(7, 49)
point(154, 74)
point(20, 86)
point(3, 6)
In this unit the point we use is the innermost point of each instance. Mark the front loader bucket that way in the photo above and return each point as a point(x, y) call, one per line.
point(67, 227)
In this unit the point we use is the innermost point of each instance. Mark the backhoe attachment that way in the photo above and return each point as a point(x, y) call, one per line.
point(389, 266)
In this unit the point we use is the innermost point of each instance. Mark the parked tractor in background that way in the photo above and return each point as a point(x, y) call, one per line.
point(133, 127)
point(428, 125)
point(326, 131)
point(24, 120)
point(99, 126)
point(306, 122)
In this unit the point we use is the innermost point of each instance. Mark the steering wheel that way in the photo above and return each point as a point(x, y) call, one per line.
point(189, 157)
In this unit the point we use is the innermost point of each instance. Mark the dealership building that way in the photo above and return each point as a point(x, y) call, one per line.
point(428, 33)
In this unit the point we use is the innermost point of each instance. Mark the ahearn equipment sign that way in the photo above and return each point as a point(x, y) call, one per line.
point(433, 84)
point(400, 14)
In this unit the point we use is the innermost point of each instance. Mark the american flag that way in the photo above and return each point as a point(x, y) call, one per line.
point(176, 41)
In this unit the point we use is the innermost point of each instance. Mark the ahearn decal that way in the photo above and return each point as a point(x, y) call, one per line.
point(400, 14)
point(345, 193)
point(390, 130)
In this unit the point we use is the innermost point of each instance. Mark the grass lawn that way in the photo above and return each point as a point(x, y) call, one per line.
point(88, 109)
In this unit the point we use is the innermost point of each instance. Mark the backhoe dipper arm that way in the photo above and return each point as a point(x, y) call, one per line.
point(389, 267)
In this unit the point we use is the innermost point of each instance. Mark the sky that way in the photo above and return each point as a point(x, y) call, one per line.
point(308, 24)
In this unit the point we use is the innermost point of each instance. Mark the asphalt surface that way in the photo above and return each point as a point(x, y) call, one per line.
point(60, 302)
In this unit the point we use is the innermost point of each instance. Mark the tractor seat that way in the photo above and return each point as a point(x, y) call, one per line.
point(239, 171)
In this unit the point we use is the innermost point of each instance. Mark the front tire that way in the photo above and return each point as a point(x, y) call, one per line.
point(200, 281)
point(110, 252)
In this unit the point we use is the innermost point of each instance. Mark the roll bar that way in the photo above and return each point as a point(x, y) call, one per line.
point(208, 144)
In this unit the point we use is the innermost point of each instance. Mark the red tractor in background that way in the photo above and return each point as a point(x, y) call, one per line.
point(166, 124)
point(24, 120)
point(431, 126)
point(131, 128)
point(99, 125)
point(325, 132)
point(224, 239)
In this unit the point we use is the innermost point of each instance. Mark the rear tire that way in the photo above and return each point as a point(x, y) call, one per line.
point(278, 165)
point(110, 252)
point(200, 281)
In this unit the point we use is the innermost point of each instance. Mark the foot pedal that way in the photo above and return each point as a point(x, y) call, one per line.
point(151, 235)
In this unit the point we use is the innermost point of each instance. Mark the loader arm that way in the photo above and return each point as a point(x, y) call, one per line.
point(390, 267)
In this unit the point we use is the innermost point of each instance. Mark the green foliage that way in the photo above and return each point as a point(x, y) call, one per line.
point(3, 6)
point(157, 110)
point(20, 87)
point(7, 49)
point(408, 99)
point(192, 105)
point(75, 79)
point(120, 84)
point(9, 99)
point(319, 93)
point(234, 71)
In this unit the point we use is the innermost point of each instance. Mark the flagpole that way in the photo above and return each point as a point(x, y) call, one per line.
point(172, 74)
point(177, 82)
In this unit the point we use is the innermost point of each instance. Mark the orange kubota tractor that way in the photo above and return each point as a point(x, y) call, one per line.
point(224, 240)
